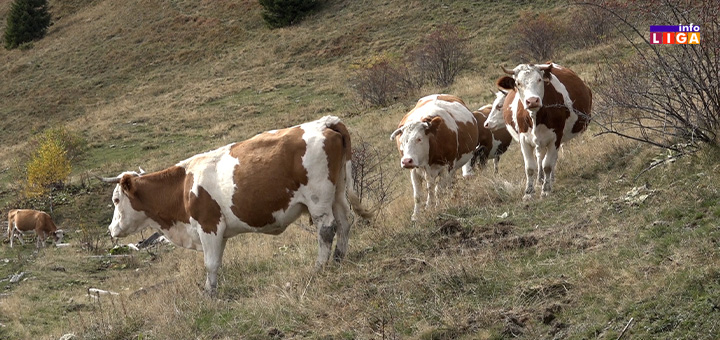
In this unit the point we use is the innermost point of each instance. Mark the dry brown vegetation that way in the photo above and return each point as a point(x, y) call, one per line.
point(148, 83)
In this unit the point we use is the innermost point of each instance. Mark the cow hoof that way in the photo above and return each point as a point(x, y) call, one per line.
point(544, 194)
point(527, 197)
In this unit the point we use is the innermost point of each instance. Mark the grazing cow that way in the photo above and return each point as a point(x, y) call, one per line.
point(21, 221)
point(491, 144)
point(436, 138)
point(545, 105)
point(260, 185)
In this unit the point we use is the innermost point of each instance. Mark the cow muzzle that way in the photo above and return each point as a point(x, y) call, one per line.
point(408, 163)
point(533, 103)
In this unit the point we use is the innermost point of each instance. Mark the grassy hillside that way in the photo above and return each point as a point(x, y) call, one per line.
point(149, 83)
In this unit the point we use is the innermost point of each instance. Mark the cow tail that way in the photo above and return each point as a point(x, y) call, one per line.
point(355, 203)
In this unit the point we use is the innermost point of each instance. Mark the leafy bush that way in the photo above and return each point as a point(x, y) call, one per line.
point(49, 167)
point(281, 13)
point(28, 20)
point(443, 54)
point(50, 161)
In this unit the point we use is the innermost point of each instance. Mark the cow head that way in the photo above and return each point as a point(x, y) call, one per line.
point(413, 140)
point(126, 220)
point(58, 235)
point(495, 120)
point(529, 81)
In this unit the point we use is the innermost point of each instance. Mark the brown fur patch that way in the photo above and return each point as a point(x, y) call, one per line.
point(337, 148)
point(270, 171)
point(203, 208)
point(165, 209)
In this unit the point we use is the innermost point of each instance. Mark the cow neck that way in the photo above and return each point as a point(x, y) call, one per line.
point(160, 196)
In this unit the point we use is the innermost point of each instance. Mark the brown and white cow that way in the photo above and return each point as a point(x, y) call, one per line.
point(491, 144)
point(436, 138)
point(21, 221)
point(260, 185)
point(544, 106)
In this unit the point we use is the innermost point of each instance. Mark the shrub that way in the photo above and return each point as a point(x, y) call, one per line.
point(50, 161)
point(371, 180)
point(381, 81)
point(587, 26)
point(49, 167)
point(281, 13)
point(443, 54)
point(664, 95)
point(535, 37)
point(28, 20)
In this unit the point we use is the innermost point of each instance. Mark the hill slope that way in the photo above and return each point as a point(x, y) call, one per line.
point(149, 83)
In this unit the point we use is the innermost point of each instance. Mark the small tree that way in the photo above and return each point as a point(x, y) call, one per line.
point(28, 20)
point(442, 55)
point(281, 13)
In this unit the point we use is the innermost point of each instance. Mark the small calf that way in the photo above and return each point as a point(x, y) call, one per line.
point(21, 221)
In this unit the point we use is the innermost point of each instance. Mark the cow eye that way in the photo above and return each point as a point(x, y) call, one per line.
point(116, 200)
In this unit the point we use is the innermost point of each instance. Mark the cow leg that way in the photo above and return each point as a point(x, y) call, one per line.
point(548, 166)
point(416, 179)
point(530, 168)
point(431, 182)
point(540, 152)
point(467, 169)
point(341, 210)
point(325, 224)
point(496, 160)
point(213, 245)
point(11, 233)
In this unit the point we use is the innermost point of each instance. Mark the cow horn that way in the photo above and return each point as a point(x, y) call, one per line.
point(511, 72)
point(109, 179)
point(142, 172)
point(395, 133)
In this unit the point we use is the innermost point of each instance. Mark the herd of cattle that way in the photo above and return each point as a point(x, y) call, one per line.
point(266, 182)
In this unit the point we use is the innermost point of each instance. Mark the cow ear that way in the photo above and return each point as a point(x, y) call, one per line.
point(506, 83)
point(126, 184)
point(431, 126)
point(547, 74)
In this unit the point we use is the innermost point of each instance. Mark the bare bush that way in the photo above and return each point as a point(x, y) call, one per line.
point(664, 95)
point(587, 26)
point(381, 81)
point(443, 54)
point(371, 180)
point(536, 37)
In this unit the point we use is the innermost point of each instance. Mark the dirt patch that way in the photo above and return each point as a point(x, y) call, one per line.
point(453, 237)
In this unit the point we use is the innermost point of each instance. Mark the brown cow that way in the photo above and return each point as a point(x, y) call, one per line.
point(436, 138)
point(260, 185)
point(22, 221)
point(546, 105)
